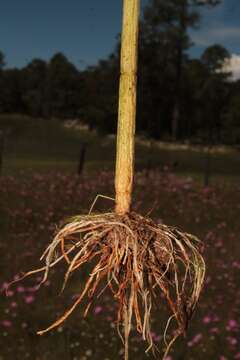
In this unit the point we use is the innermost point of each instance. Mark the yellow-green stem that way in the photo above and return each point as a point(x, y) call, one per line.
point(127, 107)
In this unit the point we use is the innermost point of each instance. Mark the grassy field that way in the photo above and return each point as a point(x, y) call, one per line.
point(39, 188)
point(29, 209)
point(45, 145)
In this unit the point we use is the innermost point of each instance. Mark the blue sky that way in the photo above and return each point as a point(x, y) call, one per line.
point(86, 30)
point(219, 25)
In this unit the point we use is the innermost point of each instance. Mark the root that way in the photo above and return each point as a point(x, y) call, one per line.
point(138, 260)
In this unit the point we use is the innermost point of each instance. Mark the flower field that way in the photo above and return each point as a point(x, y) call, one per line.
point(30, 208)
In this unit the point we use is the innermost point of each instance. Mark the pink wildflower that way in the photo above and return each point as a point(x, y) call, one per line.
point(7, 323)
point(232, 324)
point(206, 320)
point(13, 304)
point(20, 289)
point(232, 340)
point(214, 330)
point(98, 309)
point(29, 299)
point(197, 338)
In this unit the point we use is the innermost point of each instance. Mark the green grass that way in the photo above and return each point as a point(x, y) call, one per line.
point(45, 145)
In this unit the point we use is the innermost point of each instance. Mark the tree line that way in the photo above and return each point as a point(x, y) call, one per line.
point(179, 97)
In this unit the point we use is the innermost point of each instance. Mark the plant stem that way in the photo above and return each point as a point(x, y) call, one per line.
point(127, 107)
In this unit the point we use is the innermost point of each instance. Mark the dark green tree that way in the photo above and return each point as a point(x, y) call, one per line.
point(101, 94)
point(11, 91)
point(165, 31)
point(2, 60)
point(61, 88)
point(34, 85)
point(214, 57)
point(215, 91)
point(2, 63)
point(231, 128)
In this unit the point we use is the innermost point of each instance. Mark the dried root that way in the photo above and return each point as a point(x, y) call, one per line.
point(137, 260)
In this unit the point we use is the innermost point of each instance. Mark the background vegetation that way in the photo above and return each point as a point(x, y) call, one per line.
point(179, 97)
point(57, 150)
